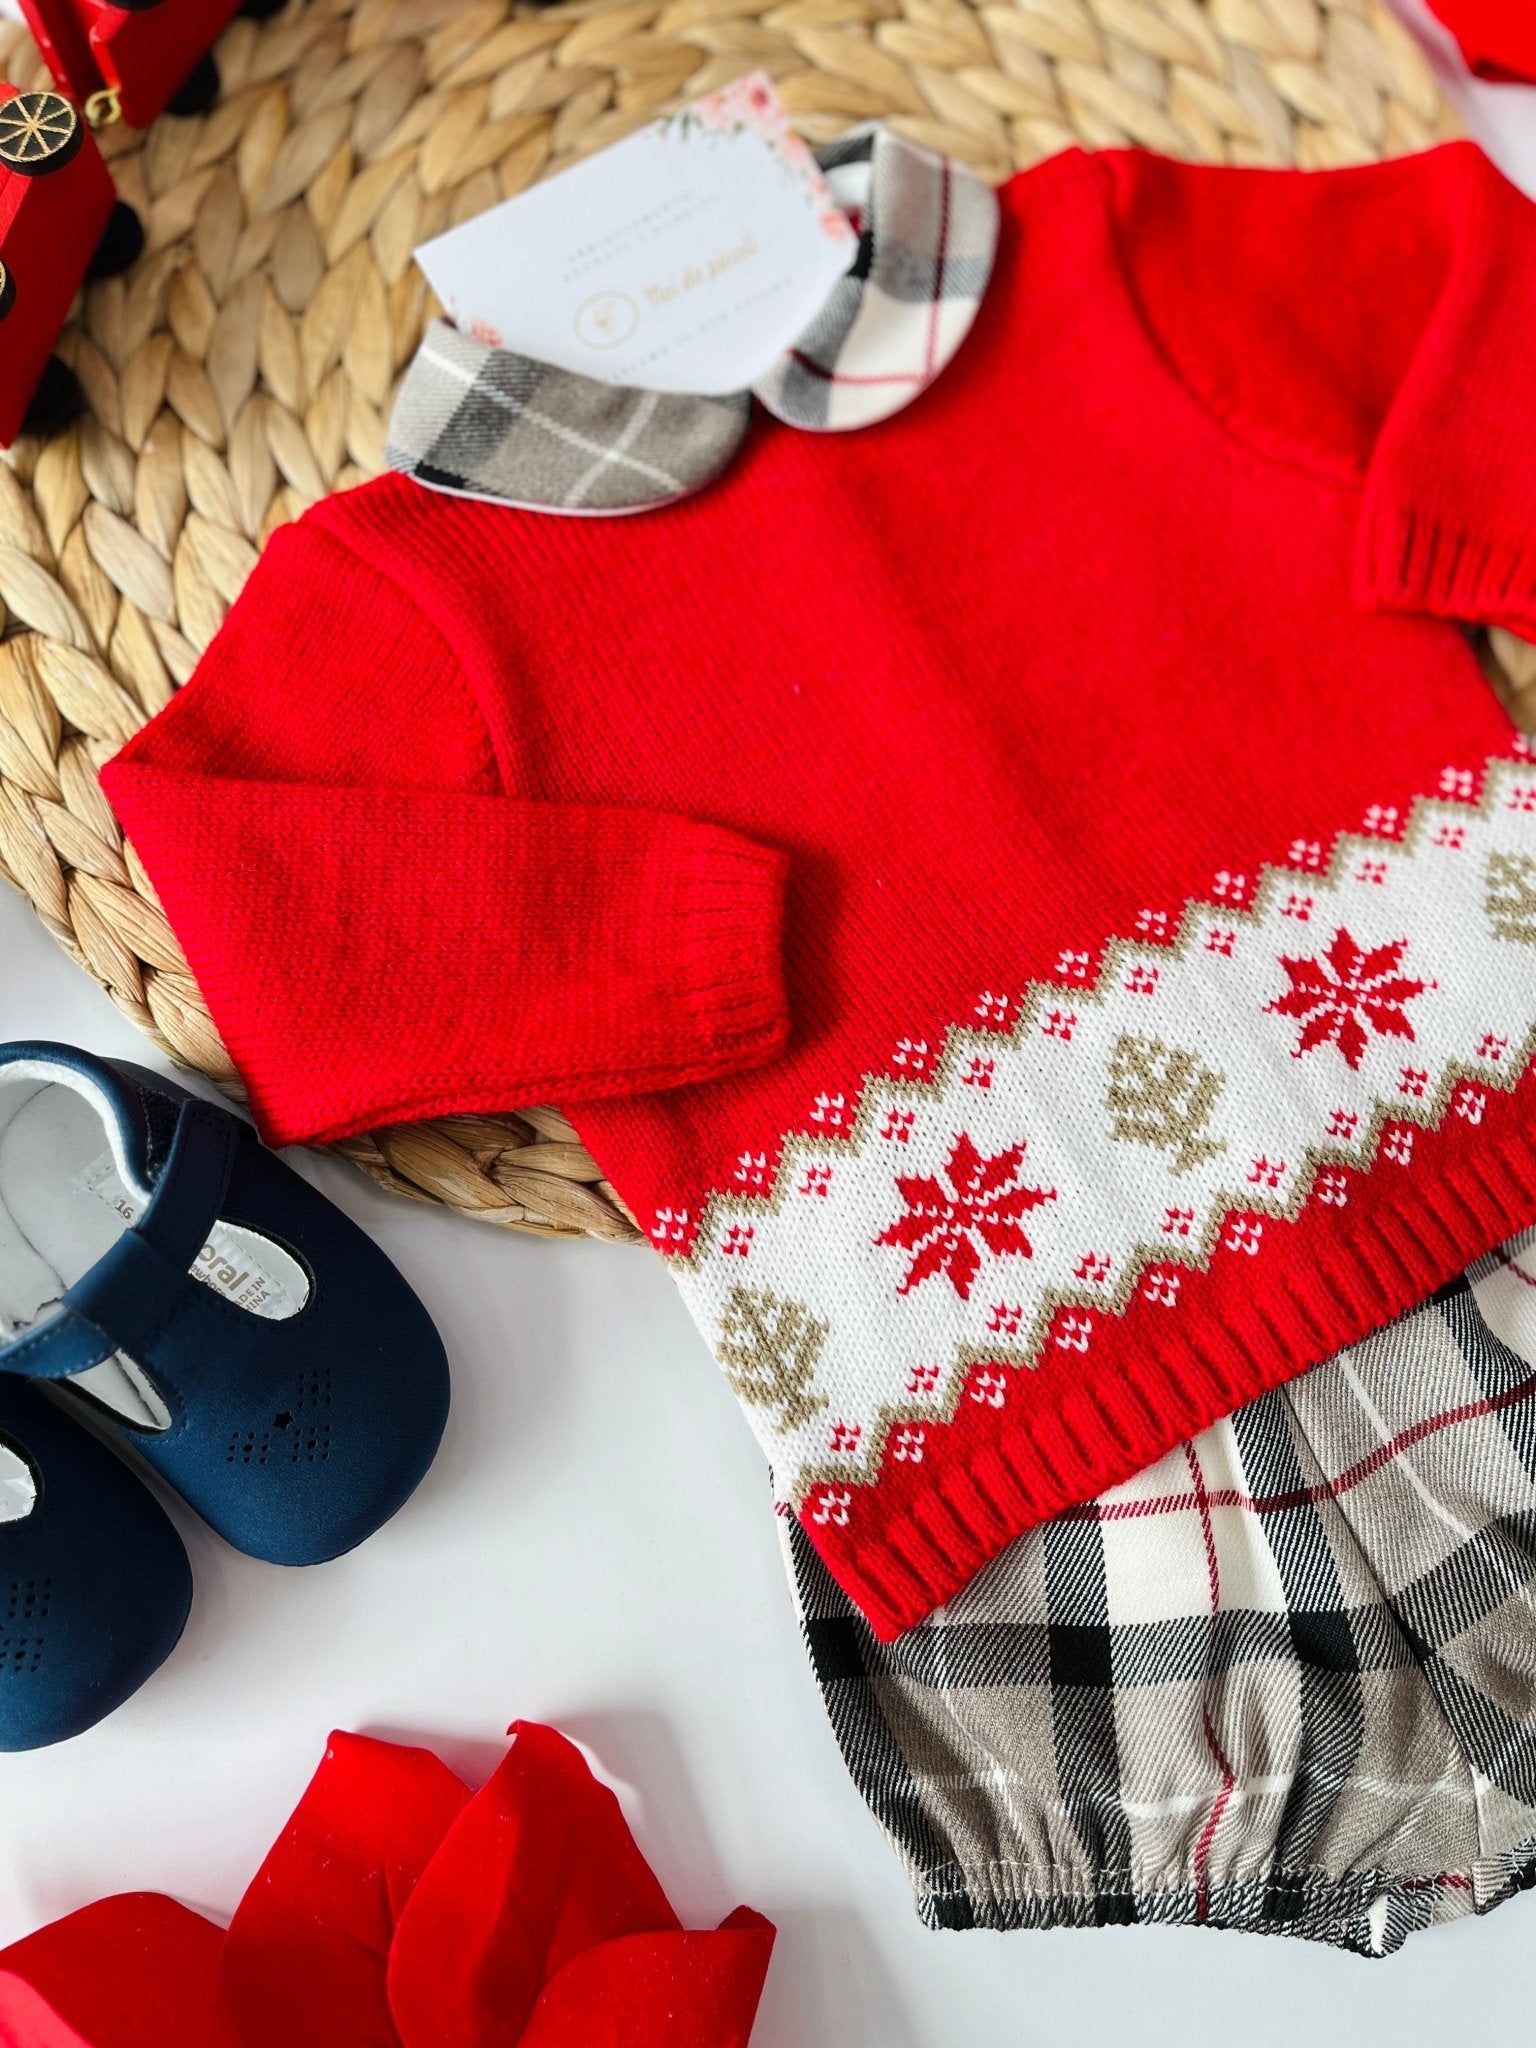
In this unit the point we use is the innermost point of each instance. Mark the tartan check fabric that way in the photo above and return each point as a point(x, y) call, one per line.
point(927, 240)
point(486, 423)
point(1285, 1680)
point(483, 422)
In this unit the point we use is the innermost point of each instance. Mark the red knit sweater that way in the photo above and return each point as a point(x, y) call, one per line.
point(1159, 948)
point(1497, 37)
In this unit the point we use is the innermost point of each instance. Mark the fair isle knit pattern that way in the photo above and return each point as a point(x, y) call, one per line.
point(1176, 1097)
point(1283, 1681)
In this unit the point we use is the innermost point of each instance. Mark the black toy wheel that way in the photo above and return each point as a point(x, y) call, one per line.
point(262, 10)
point(39, 132)
point(121, 244)
point(7, 291)
point(198, 90)
point(57, 400)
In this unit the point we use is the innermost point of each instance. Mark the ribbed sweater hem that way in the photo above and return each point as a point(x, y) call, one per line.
point(1096, 1422)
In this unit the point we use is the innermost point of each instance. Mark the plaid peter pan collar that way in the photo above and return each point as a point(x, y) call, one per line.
point(484, 422)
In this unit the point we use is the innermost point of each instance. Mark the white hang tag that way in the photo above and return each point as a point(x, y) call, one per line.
point(686, 258)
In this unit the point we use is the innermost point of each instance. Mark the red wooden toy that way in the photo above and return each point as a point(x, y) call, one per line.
point(60, 220)
point(151, 56)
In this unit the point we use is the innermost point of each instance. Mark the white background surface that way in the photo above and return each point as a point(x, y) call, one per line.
point(595, 1548)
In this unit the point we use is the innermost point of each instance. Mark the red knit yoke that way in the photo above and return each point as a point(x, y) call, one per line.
point(1159, 938)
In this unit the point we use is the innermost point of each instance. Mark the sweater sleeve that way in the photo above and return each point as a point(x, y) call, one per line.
point(379, 930)
point(1376, 323)
point(1448, 523)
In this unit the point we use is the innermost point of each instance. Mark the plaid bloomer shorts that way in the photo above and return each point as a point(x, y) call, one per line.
point(1285, 1680)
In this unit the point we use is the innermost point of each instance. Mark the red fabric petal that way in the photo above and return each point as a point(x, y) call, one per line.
point(307, 1955)
point(539, 1868)
point(27, 2020)
point(138, 1971)
point(658, 1991)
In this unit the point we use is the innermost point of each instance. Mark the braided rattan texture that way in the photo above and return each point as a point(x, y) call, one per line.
point(246, 365)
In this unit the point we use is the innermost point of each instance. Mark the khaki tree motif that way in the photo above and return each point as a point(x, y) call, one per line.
point(1163, 1096)
point(768, 1350)
point(1510, 896)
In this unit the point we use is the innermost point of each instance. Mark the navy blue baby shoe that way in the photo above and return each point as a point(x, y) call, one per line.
point(172, 1278)
point(94, 1583)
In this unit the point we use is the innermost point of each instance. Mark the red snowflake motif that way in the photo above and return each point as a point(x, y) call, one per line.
point(1453, 836)
point(980, 1073)
point(940, 1227)
point(923, 1379)
point(845, 1436)
point(1220, 939)
point(1348, 994)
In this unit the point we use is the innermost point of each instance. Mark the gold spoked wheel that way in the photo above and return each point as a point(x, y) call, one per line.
point(39, 132)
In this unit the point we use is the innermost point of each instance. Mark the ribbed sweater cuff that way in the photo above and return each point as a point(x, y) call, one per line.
point(726, 910)
point(1410, 562)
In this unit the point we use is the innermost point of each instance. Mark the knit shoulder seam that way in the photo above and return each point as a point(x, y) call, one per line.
point(1241, 429)
point(319, 520)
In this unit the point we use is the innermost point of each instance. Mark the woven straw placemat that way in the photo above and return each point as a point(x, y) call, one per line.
point(245, 367)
